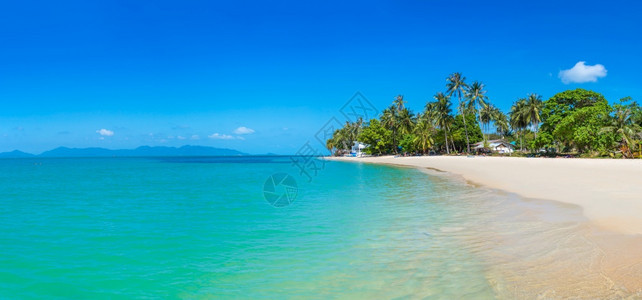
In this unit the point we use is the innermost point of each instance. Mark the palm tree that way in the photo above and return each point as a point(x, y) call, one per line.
point(423, 130)
point(533, 109)
point(406, 121)
point(456, 85)
point(486, 115)
point(338, 139)
point(330, 145)
point(430, 114)
point(623, 126)
point(348, 134)
point(397, 119)
point(636, 111)
point(389, 120)
point(399, 102)
point(518, 119)
point(501, 121)
point(355, 128)
point(477, 98)
point(441, 108)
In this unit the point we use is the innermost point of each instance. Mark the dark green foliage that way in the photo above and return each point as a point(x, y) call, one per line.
point(377, 137)
point(409, 143)
point(565, 103)
point(572, 121)
point(343, 138)
point(580, 128)
point(578, 121)
point(458, 131)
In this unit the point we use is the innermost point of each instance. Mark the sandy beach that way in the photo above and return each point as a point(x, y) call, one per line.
point(608, 191)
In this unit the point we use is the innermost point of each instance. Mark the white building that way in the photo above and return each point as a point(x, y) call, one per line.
point(499, 146)
point(357, 149)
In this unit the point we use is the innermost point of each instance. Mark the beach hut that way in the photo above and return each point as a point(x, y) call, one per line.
point(499, 146)
point(357, 149)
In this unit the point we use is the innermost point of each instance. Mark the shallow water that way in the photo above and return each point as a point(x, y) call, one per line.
point(201, 228)
point(545, 249)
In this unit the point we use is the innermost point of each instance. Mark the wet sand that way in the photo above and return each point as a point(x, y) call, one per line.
point(559, 237)
point(608, 191)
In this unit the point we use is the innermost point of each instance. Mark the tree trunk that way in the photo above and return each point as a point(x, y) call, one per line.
point(482, 125)
point(486, 126)
point(446, 139)
point(394, 141)
point(463, 115)
point(535, 129)
point(521, 143)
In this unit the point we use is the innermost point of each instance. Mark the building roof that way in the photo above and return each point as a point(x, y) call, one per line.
point(493, 144)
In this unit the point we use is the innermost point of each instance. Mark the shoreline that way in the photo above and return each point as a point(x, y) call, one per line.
point(609, 192)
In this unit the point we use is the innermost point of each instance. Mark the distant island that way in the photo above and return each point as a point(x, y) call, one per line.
point(143, 151)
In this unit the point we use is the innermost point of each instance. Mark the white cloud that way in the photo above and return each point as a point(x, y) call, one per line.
point(181, 137)
point(105, 132)
point(581, 73)
point(243, 130)
point(195, 137)
point(218, 136)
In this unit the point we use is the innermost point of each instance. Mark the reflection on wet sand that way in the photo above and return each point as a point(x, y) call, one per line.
point(543, 249)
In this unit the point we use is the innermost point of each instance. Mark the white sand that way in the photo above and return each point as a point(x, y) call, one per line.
point(609, 191)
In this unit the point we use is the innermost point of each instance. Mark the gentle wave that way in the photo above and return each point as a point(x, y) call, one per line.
point(105, 228)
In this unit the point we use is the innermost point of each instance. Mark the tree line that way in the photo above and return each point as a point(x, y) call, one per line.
point(579, 122)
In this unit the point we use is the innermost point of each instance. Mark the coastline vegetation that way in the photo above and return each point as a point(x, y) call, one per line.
point(571, 123)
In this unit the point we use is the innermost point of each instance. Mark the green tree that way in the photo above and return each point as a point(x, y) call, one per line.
point(460, 127)
point(636, 112)
point(376, 136)
point(406, 121)
point(390, 120)
point(399, 103)
point(486, 115)
point(581, 128)
point(456, 85)
point(518, 120)
point(330, 145)
point(409, 143)
point(501, 122)
point(623, 126)
point(441, 110)
point(532, 110)
point(560, 106)
point(477, 99)
point(424, 132)
point(343, 138)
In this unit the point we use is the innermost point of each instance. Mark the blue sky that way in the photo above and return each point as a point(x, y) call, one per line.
point(192, 72)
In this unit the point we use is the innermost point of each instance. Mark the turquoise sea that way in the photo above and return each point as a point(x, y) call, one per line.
point(95, 228)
